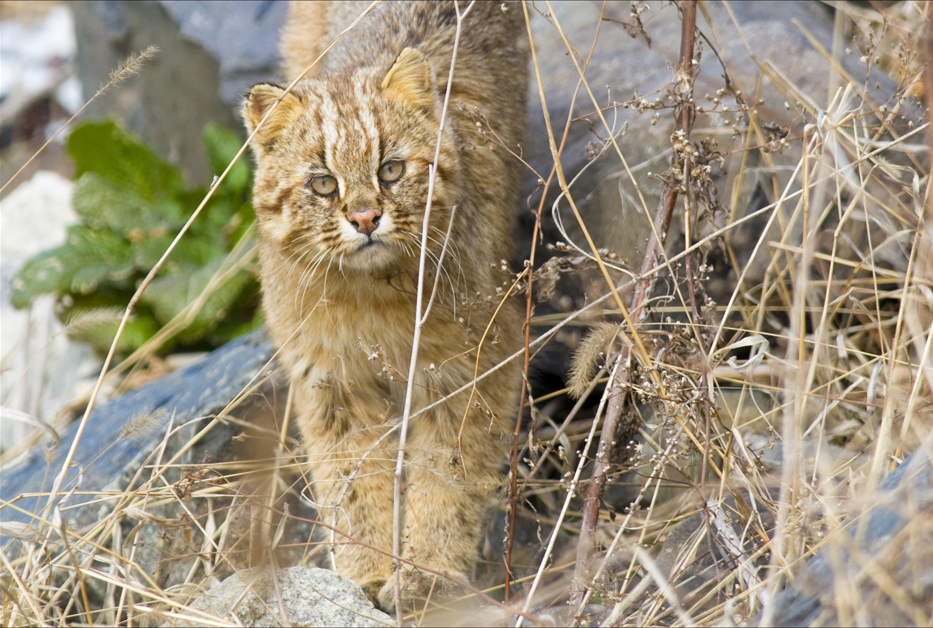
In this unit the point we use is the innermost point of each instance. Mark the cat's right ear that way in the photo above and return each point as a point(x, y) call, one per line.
point(259, 102)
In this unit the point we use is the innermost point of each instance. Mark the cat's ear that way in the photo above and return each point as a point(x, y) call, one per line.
point(409, 79)
point(260, 100)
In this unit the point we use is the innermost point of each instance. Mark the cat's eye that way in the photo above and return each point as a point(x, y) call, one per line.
point(391, 171)
point(324, 184)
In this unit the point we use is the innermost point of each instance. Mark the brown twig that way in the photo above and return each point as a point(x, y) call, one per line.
point(684, 86)
point(513, 483)
point(513, 466)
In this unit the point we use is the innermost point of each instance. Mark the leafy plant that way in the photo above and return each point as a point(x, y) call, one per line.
point(132, 205)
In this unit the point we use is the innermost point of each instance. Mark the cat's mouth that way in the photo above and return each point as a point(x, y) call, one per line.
point(369, 243)
point(371, 246)
point(373, 253)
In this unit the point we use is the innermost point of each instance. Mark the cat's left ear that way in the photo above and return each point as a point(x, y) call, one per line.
point(409, 79)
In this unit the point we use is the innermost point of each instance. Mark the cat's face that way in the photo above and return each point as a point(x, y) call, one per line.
point(344, 163)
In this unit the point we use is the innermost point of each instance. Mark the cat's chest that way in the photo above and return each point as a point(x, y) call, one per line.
point(352, 329)
point(362, 325)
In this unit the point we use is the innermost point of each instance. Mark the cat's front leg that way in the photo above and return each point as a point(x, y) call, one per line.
point(451, 480)
point(351, 458)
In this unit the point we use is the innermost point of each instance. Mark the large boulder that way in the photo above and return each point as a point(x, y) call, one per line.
point(175, 433)
point(210, 53)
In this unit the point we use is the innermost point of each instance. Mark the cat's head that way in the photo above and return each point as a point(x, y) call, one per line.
point(343, 164)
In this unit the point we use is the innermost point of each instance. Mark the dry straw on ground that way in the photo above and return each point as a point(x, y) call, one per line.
point(771, 412)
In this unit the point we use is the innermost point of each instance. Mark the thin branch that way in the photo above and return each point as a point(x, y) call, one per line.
point(586, 546)
point(419, 323)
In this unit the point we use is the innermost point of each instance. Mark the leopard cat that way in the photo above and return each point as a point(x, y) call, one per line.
point(343, 178)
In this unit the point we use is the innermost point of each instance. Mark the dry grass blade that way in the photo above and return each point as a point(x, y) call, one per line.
point(130, 67)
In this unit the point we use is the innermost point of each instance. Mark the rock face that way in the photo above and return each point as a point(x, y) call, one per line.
point(210, 54)
point(174, 418)
point(306, 597)
point(186, 399)
point(878, 570)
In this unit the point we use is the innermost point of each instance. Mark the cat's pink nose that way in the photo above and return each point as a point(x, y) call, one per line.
point(365, 221)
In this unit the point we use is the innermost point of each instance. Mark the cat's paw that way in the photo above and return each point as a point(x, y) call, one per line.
point(386, 597)
point(419, 586)
point(373, 587)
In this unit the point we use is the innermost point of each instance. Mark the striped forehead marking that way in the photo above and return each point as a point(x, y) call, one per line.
point(349, 126)
point(330, 128)
point(368, 121)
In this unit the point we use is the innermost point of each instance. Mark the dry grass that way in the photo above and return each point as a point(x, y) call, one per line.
point(772, 412)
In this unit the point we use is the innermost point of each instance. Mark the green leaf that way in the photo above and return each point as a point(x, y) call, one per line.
point(94, 318)
point(168, 297)
point(96, 257)
point(190, 253)
point(132, 204)
point(221, 146)
point(102, 204)
point(207, 226)
point(114, 154)
point(221, 210)
point(139, 329)
point(148, 251)
point(42, 274)
point(88, 258)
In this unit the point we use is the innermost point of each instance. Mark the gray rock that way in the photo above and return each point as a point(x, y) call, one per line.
point(187, 398)
point(878, 570)
point(36, 57)
point(123, 438)
point(622, 66)
point(242, 36)
point(307, 597)
point(187, 85)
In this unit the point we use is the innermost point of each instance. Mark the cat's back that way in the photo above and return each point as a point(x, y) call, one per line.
point(492, 51)
point(490, 31)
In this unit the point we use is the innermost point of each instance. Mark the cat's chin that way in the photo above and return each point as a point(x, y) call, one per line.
point(374, 256)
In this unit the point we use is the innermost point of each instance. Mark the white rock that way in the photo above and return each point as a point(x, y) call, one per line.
point(309, 597)
point(34, 55)
point(40, 367)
